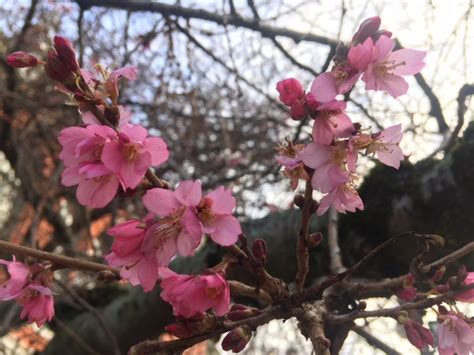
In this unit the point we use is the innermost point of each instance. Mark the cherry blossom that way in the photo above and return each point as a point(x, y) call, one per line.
point(467, 296)
point(132, 154)
point(191, 295)
point(38, 304)
point(331, 122)
point(14, 277)
point(127, 254)
point(343, 197)
point(454, 335)
point(288, 157)
point(418, 335)
point(215, 214)
point(177, 229)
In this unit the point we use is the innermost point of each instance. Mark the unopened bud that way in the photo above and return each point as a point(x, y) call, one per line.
point(379, 33)
point(442, 288)
point(22, 60)
point(409, 280)
point(240, 311)
point(367, 28)
point(439, 273)
point(298, 110)
point(461, 274)
point(290, 90)
point(178, 330)
point(314, 239)
point(259, 250)
point(237, 339)
point(314, 207)
point(407, 293)
point(442, 310)
point(66, 53)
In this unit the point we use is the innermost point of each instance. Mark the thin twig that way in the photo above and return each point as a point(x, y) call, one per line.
point(86, 347)
point(336, 264)
point(374, 341)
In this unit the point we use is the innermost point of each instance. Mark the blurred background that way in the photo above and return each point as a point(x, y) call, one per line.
point(206, 84)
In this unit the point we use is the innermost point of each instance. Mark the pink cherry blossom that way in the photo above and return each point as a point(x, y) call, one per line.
point(331, 122)
point(215, 214)
point(387, 68)
point(127, 254)
point(455, 335)
point(191, 295)
point(290, 90)
point(38, 304)
point(288, 157)
point(386, 147)
point(339, 80)
point(329, 163)
point(14, 277)
point(467, 296)
point(133, 153)
point(343, 197)
point(177, 229)
point(81, 154)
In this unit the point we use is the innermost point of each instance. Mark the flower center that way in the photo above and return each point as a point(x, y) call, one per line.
point(338, 154)
point(102, 179)
point(384, 68)
point(130, 151)
point(98, 151)
point(26, 295)
point(4, 275)
point(168, 227)
point(205, 213)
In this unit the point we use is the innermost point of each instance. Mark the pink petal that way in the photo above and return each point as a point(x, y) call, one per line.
point(97, 194)
point(412, 58)
point(89, 118)
point(166, 252)
point(125, 115)
point(383, 47)
point(316, 155)
point(227, 230)
point(342, 125)
point(148, 274)
point(222, 200)
point(160, 201)
point(71, 176)
point(157, 149)
point(191, 223)
point(326, 202)
point(189, 193)
point(128, 71)
point(132, 172)
point(112, 156)
point(361, 55)
point(392, 134)
point(185, 244)
point(324, 87)
point(322, 133)
point(135, 133)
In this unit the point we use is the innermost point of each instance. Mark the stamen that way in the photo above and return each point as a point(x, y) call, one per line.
point(130, 151)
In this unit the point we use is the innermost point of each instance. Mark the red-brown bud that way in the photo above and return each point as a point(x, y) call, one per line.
point(442, 288)
point(178, 330)
point(66, 53)
point(237, 339)
point(22, 60)
point(112, 114)
point(298, 200)
point(56, 69)
point(314, 239)
point(240, 311)
point(298, 110)
point(439, 273)
point(367, 28)
point(314, 207)
point(259, 250)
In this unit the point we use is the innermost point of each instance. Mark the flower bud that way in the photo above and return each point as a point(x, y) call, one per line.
point(418, 335)
point(439, 273)
point(409, 280)
point(259, 250)
point(461, 274)
point(178, 330)
point(22, 60)
point(56, 69)
point(298, 110)
point(442, 310)
point(314, 239)
point(367, 28)
point(442, 288)
point(379, 33)
point(66, 53)
point(290, 90)
point(240, 311)
point(112, 114)
point(237, 339)
point(406, 293)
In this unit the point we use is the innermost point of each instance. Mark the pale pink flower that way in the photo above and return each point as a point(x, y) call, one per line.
point(127, 254)
point(14, 277)
point(133, 153)
point(191, 295)
point(386, 147)
point(294, 169)
point(339, 80)
point(343, 197)
point(329, 162)
point(331, 122)
point(387, 68)
point(215, 214)
point(455, 336)
point(38, 304)
point(177, 228)
point(467, 296)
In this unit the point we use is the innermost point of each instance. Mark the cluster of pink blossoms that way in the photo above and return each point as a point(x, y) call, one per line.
point(107, 154)
point(29, 286)
point(337, 141)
